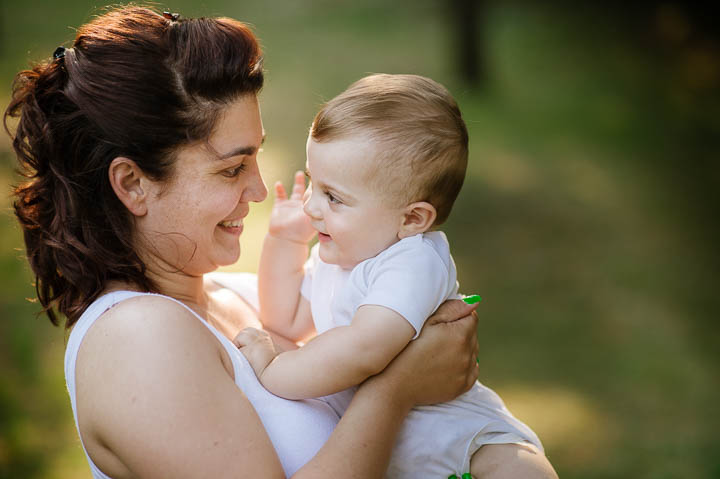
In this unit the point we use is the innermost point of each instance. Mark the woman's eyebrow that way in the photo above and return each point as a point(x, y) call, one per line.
point(241, 150)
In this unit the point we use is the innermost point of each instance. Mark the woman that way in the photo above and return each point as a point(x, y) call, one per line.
point(140, 145)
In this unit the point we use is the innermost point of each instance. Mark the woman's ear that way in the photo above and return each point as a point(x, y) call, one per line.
point(417, 218)
point(129, 183)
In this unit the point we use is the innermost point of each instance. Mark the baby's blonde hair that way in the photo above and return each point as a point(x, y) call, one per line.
point(416, 134)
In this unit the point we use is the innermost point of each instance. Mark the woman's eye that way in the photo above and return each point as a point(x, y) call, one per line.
point(233, 172)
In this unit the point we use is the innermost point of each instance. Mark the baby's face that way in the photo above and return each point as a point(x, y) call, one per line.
point(353, 222)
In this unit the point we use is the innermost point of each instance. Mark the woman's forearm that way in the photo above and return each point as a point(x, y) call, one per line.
point(361, 444)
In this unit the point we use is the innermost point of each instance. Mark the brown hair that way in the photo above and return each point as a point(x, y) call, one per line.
point(135, 84)
point(417, 136)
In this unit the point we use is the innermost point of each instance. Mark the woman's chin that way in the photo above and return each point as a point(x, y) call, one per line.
point(227, 250)
point(230, 257)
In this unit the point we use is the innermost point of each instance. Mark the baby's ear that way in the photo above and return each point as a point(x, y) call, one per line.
point(417, 218)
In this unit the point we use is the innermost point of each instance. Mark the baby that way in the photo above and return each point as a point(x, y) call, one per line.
point(386, 160)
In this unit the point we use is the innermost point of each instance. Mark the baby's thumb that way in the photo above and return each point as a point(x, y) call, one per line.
point(239, 340)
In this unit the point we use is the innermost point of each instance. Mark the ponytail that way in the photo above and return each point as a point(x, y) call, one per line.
point(70, 258)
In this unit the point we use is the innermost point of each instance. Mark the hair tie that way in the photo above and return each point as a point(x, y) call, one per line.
point(171, 16)
point(59, 53)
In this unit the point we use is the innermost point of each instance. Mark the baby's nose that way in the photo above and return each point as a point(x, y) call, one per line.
point(308, 205)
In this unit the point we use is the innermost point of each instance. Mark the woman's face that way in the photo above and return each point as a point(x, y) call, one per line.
point(195, 219)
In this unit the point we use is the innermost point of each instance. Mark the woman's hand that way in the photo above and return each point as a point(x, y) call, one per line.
point(258, 348)
point(441, 363)
point(288, 220)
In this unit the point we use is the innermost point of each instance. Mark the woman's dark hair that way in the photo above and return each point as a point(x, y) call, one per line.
point(136, 84)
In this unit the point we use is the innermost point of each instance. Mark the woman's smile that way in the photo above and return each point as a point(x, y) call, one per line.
point(233, 227)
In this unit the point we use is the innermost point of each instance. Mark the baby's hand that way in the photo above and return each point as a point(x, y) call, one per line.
point(257, 347)
point(288, 220)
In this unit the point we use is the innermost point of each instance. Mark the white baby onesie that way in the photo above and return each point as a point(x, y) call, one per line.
point(413, 277)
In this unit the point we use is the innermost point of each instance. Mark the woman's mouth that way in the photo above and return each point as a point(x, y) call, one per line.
point(234, 227)
point(322, 237)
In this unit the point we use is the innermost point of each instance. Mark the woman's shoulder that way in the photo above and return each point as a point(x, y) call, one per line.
point(147, 341)
point(145, 314)
point(143, 326)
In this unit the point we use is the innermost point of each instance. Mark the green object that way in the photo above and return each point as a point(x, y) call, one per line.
point(453, 477)
point(472, 300)
point(466, 476)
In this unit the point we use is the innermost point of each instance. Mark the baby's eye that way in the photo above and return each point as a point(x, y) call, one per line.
point(233, 172)
point(331, 198)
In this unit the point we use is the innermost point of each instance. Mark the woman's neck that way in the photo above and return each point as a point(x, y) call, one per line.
point(172, 281)
point(183, 287)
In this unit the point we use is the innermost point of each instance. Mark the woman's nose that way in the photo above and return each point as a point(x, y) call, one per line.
point(256, 190)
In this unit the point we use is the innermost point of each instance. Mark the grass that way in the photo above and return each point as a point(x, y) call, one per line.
point(587, 221)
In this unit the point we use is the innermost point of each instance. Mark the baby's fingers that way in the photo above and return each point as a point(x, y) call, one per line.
point(452, 310)
point(280, 193)
point(246, 337)
point(298, 186)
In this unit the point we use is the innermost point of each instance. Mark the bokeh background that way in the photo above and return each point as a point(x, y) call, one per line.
point(588, 220)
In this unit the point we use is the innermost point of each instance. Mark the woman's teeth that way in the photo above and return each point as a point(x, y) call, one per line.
point(231, 224)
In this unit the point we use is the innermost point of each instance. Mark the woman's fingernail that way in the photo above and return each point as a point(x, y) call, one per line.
point(472, 299)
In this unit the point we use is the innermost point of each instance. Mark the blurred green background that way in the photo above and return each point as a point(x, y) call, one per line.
point(588, 220)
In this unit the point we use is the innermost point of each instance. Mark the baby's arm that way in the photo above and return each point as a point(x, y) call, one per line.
point(280, 272)
point(336, 359)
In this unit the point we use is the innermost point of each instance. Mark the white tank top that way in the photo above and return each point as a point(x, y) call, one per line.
point(297, 429)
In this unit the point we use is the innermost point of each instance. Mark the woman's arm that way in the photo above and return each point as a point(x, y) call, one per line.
point(156, 398)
